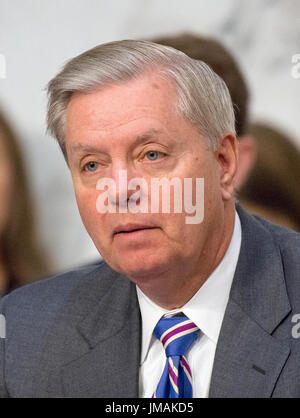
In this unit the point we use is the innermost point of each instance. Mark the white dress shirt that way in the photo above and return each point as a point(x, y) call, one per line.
point(206, 309)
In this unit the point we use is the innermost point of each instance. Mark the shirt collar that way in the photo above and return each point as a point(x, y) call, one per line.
point(207, 307)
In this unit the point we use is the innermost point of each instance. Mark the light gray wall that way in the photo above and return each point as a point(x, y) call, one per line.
point(38, 36)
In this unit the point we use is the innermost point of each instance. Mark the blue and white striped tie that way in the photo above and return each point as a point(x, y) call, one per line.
point(177, 334)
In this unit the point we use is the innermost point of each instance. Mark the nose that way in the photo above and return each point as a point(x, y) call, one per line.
point(122, 194)
point(126, 181)
point(123, 191)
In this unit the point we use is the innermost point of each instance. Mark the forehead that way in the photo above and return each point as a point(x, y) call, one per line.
point(148, 96)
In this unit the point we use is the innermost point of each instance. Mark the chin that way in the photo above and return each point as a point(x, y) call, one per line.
point(142, 269)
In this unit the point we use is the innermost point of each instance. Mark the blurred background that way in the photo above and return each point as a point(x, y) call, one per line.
point(38, 36)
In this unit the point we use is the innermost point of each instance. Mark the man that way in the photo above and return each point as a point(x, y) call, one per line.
point(227, 283)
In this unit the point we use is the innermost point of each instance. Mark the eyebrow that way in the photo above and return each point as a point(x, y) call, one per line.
point(147, 135)
point(80, 147)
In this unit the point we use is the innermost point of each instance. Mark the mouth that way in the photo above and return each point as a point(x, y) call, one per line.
point(130, 228)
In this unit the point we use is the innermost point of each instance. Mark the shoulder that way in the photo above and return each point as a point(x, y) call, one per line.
point(286, 239)
point(285, 252)
point(257, 229)
point(48, 295)
point(277, 247)
point(42, 326)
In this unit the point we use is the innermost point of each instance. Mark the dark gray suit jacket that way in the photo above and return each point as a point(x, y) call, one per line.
point(78, 334)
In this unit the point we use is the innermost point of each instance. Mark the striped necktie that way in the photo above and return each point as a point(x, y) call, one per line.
point(177, 334)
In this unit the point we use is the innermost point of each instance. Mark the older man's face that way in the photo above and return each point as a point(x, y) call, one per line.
point(134, 126)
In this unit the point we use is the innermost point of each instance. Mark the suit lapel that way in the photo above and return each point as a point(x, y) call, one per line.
point(248, 358)
point(104, 358)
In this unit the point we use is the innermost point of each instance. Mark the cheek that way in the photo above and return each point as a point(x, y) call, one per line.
point(179, 234)
point(86, 201)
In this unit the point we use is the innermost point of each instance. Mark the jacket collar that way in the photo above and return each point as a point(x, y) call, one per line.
point(258, 285)
point(111, 310)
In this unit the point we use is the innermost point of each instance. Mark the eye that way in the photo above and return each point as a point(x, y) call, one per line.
point(153, 155)
point(91, 166)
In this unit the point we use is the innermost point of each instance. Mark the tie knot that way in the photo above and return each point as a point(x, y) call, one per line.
point(176, 334)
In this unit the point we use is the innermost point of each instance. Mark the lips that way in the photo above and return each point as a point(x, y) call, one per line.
point(125, 229)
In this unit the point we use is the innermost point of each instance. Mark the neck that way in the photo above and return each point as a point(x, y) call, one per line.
point(183, 281)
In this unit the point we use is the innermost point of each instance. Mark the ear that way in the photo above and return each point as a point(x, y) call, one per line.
point(227, 156)
point(247, 156)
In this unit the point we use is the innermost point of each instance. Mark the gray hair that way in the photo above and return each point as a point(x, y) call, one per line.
point(203, 97)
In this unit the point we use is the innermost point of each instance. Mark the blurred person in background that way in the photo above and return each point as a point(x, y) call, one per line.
point(272, 189)
point(21, 257)
point(268, 172)
point(217, 56)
